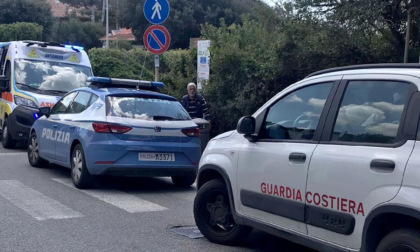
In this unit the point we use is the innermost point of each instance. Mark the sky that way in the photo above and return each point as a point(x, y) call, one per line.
point(269, 2)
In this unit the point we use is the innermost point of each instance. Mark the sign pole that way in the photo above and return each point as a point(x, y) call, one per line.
point(156, 38)
point(156, 67)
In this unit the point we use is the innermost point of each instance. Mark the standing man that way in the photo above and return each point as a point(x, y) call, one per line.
point(195, 103)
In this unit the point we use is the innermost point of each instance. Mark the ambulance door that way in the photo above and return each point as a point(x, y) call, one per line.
point(272, 170)
point(4, 84)
point(360, 160)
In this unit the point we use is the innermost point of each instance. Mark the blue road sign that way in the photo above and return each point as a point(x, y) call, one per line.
point(156, 39)
point(156, 11)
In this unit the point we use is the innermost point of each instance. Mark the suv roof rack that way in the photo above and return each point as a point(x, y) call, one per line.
point(366, 66)
point(106, 82)
point(45, 44)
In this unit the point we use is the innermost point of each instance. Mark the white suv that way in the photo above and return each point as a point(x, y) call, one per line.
point(332, 162)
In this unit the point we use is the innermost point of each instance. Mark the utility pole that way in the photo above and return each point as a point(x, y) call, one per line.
point(107, 29)
point(411, 11)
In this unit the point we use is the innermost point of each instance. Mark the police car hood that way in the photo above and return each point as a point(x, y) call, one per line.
point(153, 130)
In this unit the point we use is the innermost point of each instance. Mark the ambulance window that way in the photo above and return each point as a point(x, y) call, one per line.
point(80, 103)
point(370, 112)
point(296, 115)
point(62, 105)
point(3, 52)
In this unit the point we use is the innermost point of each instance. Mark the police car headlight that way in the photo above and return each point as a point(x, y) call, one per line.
point(25, 102)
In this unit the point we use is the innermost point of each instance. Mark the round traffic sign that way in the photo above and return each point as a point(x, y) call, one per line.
point(156, 39)
point(156, 11)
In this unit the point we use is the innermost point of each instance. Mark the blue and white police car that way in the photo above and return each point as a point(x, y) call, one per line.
point(117, 127)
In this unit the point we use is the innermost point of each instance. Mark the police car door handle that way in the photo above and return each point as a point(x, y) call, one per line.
point(382, 165)
point(297, 157)
point(54, 125)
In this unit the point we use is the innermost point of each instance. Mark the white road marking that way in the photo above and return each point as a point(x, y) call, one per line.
point(125, 201)
point(35, 203)
point(13, 153)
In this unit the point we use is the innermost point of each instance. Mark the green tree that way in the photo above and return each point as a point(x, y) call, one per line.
point(74, 31)
point(185, 16)
point(20, 31)
point(388, 18)
point(32, 11)
point(242, 70)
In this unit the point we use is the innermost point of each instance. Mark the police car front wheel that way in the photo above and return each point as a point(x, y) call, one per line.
point(213, 214)
point(407, 240)
point(33, 152)
point(81, 177)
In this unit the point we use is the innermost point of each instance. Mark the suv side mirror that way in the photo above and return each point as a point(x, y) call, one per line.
point(246, 126)
point(45, 111)
point(4, 81)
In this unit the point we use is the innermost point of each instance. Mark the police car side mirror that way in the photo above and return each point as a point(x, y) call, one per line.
point(246, 126)
point(45, 111)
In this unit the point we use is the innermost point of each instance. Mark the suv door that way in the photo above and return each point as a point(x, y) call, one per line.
point(272, 171)
point(361, 158)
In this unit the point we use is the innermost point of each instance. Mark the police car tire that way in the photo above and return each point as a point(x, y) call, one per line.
point(207, 195)
point(86, 179)
point(184, 181)
point(6, 138)
point(37, 161)
point(400, 240)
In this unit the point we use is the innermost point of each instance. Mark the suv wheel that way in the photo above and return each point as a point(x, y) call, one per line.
point(184, 181)
point(213, 214)
point(407, 240)
point(79, 174)
point(33, 152)
point(6, 139)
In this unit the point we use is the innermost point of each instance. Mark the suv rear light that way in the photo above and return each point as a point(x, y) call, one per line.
point(195, 132)
point(110, 128)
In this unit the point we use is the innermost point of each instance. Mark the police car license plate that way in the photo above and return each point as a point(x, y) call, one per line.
point(150, 156)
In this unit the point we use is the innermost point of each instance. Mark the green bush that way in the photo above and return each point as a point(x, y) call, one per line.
point(177, 67)
point(20, 31)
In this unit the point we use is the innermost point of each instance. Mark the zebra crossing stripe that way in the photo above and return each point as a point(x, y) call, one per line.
point(13, 153)
point(35, 203)
point(122, 200)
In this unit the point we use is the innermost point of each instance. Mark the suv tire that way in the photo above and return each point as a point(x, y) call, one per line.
point(213, 214)
point(407, 240)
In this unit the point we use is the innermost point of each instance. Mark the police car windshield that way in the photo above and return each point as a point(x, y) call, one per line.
point(145, 108)
point(49, 76)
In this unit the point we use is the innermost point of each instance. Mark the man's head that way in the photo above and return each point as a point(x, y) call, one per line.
point(192, 89)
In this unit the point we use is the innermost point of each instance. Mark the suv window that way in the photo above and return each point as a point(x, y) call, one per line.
point(145, 108)
point(370, 112)
point(296, 115)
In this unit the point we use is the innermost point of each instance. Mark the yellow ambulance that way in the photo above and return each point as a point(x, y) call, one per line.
point(35, 74)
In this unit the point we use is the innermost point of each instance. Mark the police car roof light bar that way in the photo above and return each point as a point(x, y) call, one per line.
point(108, 82)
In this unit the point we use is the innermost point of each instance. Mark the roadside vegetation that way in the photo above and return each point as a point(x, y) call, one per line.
point(256, 50)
